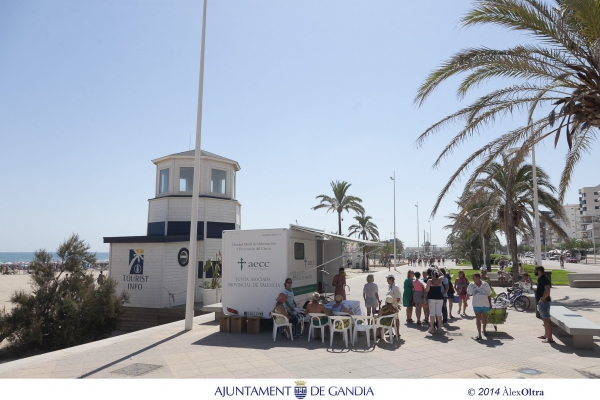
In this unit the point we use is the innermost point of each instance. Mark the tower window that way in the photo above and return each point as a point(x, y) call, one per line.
point(186, 179)
point(163, 185)
point(217, 181)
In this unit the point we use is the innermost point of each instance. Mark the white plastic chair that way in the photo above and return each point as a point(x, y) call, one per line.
point(287, 324)
point(391, 328)
point(312, 328)
point(362, 323)
point(302, 319)
point(342, 324)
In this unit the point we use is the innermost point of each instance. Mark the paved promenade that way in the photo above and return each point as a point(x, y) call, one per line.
point(207, 353)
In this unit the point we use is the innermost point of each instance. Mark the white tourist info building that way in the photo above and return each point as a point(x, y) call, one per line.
point(152, 269)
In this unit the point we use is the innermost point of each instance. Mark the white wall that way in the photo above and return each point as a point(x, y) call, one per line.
point(142, 294)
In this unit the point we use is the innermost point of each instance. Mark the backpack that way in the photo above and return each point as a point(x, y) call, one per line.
point(450, 287)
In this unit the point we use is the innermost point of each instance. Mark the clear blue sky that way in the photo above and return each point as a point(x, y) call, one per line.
point(300, 93)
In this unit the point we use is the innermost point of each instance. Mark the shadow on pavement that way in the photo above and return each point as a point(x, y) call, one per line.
point(132, 354)
point(577, 304)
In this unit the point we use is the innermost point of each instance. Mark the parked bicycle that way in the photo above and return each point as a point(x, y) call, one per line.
point(514, 299)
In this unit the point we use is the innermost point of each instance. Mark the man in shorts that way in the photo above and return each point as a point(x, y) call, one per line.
point(542, 298)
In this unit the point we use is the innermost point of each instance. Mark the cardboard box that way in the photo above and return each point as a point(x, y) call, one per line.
point(253, 325)
point(225, 323)
point(238, 324)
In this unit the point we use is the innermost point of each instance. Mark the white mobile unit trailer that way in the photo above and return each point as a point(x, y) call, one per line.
point(256, 264)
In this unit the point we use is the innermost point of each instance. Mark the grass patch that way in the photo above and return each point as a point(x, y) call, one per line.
point(559, 276)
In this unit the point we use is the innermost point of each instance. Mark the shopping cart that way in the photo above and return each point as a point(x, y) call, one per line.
point(497, 315)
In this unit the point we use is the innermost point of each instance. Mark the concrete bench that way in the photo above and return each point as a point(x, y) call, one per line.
point(532, 303)
point(584, 280)
point(217, 308)
point(570, 323)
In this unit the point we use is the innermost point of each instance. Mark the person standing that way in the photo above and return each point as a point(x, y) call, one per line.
point(407, 296)
point(460, 285)
point(394, 291)
point(482, 302)
point(435, 298)
point(542, 298)
point(100, 279)
point(339, 282)
point(445, 289)
point(371, 295)
point(418, 296)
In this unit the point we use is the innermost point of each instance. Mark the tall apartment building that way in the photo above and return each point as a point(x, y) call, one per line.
point(569, 226)
point(589, 214)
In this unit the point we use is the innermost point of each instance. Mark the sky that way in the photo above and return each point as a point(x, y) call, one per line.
point(299, 93)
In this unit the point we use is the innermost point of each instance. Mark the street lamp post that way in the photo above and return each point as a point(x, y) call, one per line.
point(394, 179)
point(430, 241)
point(593, 242)
point(193, 250)
point(418, 245)
point(538, 247)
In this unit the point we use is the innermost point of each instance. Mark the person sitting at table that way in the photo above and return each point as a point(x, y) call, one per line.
point(338, 307)
point(280, 309)
point(387, 309)
point(316, 307)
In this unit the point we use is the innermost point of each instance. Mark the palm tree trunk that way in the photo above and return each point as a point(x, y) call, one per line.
point(339, 222)
point(511, 239)
point(488, 251)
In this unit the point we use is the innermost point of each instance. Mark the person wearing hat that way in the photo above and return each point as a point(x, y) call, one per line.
point(281, 299)
point(394, 291)
point(388, 309)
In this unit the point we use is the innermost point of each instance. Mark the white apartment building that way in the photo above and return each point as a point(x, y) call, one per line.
point(589, 214)
point(569, 225)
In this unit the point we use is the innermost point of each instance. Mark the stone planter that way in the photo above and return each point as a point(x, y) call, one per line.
point(210, 296)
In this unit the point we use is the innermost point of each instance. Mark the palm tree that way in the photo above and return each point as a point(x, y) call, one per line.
point(510, 183)
point(478, 216)
point(340, 202)
point(366, 229)
point(561, 72)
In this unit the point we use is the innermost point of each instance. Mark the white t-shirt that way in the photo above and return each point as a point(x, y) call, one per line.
point(479, 294)
point(394, 291)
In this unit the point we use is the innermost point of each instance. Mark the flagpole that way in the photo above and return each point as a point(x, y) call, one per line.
point(193, 261)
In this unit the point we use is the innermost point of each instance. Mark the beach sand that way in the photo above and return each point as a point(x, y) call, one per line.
point(12, 283)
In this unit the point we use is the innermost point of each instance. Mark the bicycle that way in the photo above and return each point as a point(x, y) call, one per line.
point(516, 300)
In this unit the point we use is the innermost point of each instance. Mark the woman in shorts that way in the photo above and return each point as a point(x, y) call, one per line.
point(482, 302)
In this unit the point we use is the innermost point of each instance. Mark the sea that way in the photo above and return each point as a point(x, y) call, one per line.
point(28, 257)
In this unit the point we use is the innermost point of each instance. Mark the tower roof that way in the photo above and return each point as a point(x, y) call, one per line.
point(203, 154)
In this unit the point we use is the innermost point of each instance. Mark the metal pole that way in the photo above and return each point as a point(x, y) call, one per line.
point(395, 255)
point(593, 242)
point(418, 245)
point(193, 261)
point(538, 247)
point(430, 241)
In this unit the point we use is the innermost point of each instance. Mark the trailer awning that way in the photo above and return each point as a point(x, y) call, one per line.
point(334, 236)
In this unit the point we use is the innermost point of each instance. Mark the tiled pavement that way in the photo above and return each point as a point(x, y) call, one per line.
point(207, 353)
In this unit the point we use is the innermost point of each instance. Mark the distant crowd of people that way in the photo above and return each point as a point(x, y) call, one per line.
point(425, 260)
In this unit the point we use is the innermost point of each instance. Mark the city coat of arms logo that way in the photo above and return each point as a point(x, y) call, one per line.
point(136, 262)
point(300, 390)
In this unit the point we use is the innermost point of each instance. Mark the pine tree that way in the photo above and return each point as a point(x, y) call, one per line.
point(65, 307)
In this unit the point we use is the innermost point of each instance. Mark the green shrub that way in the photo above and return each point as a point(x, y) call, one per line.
point(61, 313)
